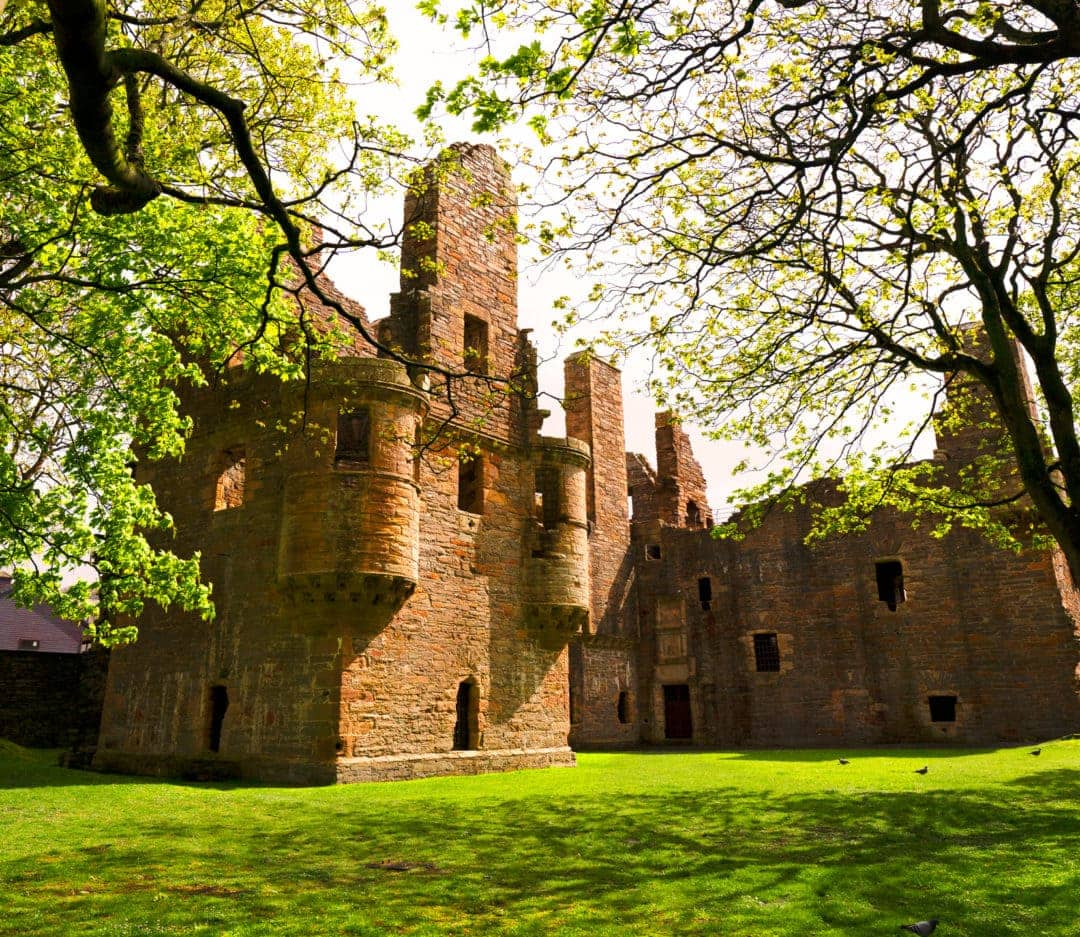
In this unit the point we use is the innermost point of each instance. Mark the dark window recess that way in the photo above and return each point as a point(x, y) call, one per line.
point(693, 514)
point(219, 704)
point(467, 724)
point(704, 592)
point(354, 437)
point(890, 582)
point(548, 508)
point(475, 350)
point(652, 551)
point(29, 644)
point(470, 494)
point(418, 455)
point(942, 708)
point(229, 492)
point(677, 720)
point(766, 653)
point(622, 708)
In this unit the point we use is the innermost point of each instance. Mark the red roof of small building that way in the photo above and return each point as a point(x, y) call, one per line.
point(53, 635)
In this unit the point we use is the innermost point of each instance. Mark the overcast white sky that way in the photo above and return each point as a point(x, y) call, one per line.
point(428, 53)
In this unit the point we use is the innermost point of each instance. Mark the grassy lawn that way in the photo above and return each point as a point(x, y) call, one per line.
point(737, 843)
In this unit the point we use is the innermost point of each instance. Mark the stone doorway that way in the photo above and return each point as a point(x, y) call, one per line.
point(677, 721)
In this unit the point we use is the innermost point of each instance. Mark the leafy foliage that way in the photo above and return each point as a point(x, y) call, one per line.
point(237, 133)
point(819, 210)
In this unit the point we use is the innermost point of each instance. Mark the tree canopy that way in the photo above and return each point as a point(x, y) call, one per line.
point(163, 168)
point(817, 208)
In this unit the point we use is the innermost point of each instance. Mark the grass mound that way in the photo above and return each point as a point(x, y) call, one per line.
point(739, 843)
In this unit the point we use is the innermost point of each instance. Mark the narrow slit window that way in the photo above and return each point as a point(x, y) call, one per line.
point(890, 582)
point(231, 480)
point(354, 437)
point(475, 351)
point(766, 653)
point(219, 705)
point(652, 551)
point(704, 591)
point(942, 708)
point(471, 485)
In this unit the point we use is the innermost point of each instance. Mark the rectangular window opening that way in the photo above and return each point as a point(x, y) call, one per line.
point(354, 437)
point(29, 644)
point(704, 591)
point(471, 484)
point(475, 350)
point(766, 653)
point(890, 582)
point(547, 506)
point(942, 708)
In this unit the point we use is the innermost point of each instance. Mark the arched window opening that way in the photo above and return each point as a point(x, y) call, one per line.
point(229, 490)
point(467, 724)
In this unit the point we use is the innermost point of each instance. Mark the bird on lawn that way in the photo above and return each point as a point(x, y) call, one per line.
point(923, 770)
point(922, 928)
point(843, 761)
point(1037, 751)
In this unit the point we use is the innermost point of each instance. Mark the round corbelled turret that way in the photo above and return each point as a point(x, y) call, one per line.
point(350, 527)
point(557, 565)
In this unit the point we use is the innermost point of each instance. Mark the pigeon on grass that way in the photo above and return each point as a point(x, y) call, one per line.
point(922, 928)
point(923, 770)
point(843, 761)
point(1037, 751)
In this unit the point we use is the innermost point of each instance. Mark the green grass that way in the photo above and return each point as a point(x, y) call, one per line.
point(746, 843)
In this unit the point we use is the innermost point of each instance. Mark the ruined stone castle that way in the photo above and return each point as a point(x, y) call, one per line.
point(390, 606)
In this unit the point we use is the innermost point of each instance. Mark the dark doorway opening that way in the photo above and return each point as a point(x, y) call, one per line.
point(219, 704)
point(467, 725)
point(622, 708)
point(677, 721)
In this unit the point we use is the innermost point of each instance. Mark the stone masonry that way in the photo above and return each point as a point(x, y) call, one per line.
point(394, 601)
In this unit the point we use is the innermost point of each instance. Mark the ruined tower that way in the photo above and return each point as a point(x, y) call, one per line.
point(398, 569)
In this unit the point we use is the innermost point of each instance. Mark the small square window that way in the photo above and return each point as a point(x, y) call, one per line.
point(652, 551)
point(766, 653)
point(942, 708)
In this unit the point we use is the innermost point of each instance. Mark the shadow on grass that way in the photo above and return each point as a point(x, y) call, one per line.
point(997, 859)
